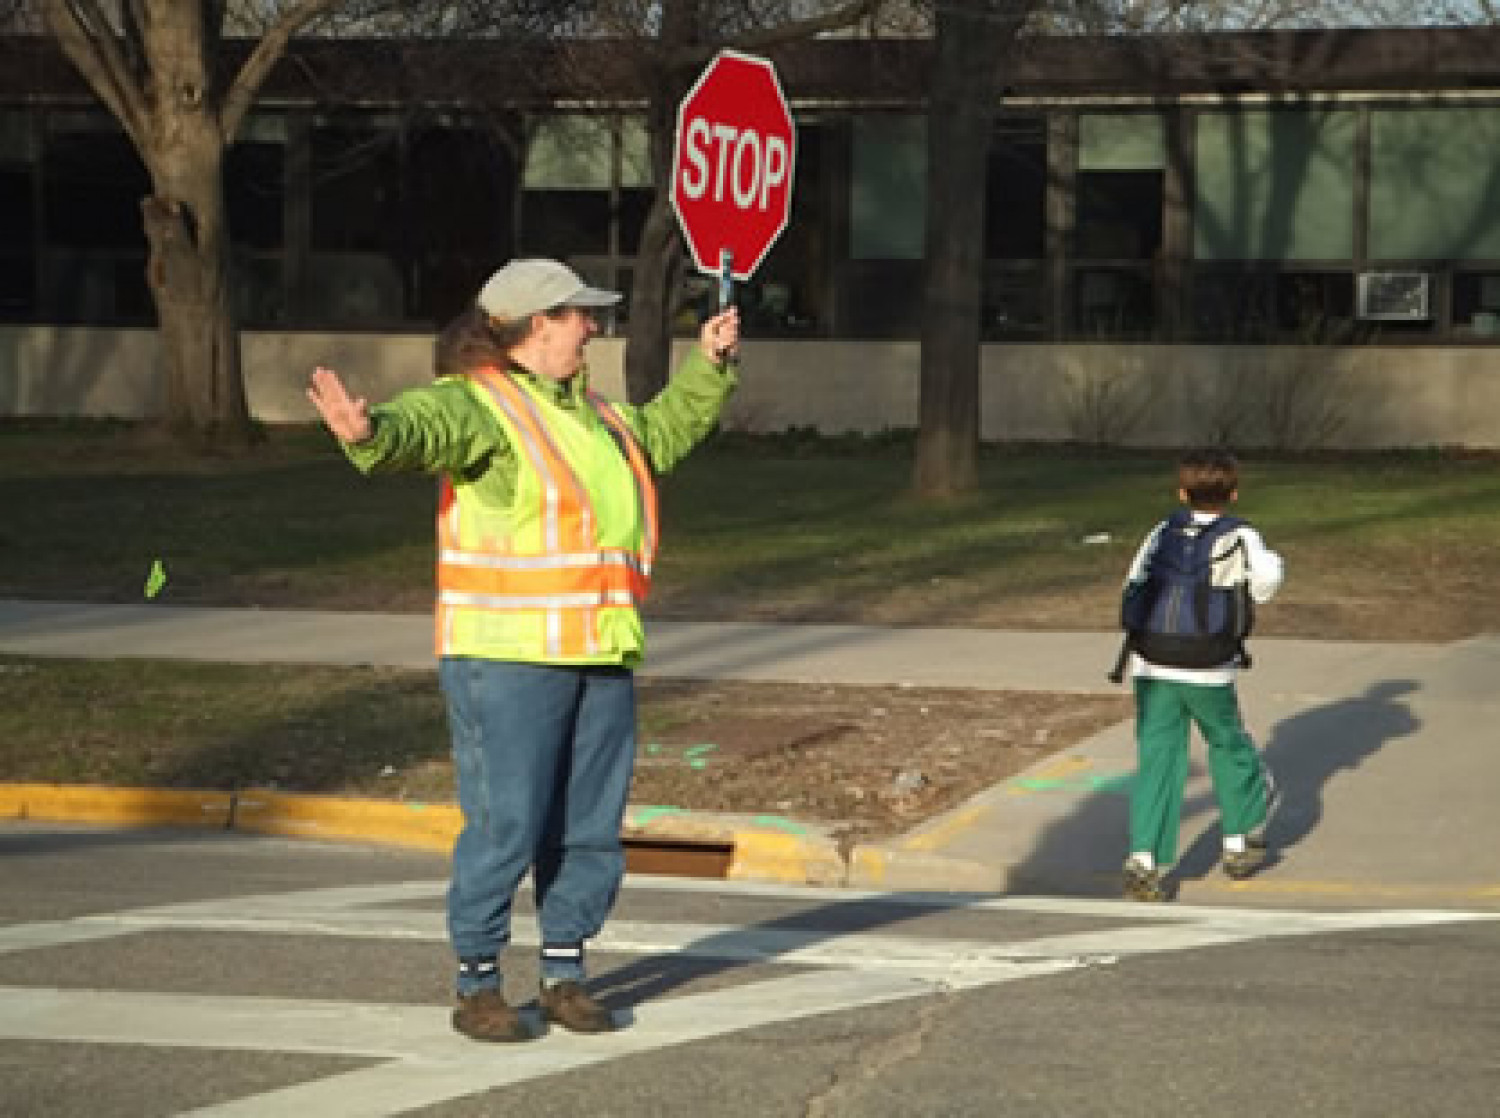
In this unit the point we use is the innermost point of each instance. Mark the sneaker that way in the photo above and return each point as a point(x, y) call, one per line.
point(486, 1016)
point(1241, 864)
point(1141, 884)
point(571, 1006)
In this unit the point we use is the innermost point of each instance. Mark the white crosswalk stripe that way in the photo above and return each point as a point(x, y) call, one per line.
point(421, 1062)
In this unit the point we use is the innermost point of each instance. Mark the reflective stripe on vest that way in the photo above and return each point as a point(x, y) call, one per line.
point(645, 487)
point(563, 574)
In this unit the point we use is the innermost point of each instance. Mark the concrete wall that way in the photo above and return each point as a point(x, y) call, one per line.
point(1373, 397)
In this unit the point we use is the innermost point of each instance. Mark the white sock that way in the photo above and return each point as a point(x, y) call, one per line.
point(1144, 858)
point(1234, 844)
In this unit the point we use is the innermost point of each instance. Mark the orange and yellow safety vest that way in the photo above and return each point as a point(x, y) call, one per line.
point(558, 576)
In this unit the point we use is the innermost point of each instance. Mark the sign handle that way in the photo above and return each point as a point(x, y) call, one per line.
point(726, 296)
point(726, 279)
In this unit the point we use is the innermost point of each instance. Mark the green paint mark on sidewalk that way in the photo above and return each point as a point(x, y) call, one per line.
point(646, 814)
point(777, 823)
point(1108, 783)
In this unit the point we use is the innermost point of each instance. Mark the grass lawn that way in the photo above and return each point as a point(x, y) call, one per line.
point(786, 528)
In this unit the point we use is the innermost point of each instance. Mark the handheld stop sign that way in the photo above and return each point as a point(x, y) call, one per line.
point(732, 169)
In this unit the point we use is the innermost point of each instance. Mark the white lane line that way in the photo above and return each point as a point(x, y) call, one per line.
point(409, 1084)
point(758, 943)
point(59, 933)
point(329, 1028)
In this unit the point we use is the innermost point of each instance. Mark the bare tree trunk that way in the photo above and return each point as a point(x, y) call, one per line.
point(648, 346)
point(153, 66)
point(188, 272)
point(961, 114)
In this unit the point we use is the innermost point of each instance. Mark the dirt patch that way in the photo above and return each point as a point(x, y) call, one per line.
point(869, 762)
point(862, 762)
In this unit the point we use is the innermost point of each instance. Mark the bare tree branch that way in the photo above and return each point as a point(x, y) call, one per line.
point(242, 91)
point(90, 41)
point(797, 29)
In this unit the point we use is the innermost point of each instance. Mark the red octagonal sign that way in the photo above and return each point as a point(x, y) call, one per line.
point(732, 170)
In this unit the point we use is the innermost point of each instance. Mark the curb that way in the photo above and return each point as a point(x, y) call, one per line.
point(141, 806)
point(763, 848)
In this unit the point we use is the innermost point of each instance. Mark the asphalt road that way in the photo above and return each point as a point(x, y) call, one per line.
point(161, 973)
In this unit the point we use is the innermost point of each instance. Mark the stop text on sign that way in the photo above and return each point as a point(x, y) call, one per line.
point(720, 155)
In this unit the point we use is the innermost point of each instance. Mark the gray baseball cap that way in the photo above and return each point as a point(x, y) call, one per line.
point(527, 287)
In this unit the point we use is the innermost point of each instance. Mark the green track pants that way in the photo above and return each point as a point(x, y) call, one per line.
point(1165, 712)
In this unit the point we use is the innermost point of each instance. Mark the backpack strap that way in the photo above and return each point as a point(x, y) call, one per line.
point(1117, 673)
point(1223, 526)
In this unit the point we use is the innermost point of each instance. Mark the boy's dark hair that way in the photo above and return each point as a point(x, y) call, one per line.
point(1209, 477)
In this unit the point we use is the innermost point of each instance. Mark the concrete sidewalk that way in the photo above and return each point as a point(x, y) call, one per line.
point(1385, 753)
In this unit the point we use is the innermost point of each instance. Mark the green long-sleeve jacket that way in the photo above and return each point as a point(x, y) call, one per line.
point(443, 428)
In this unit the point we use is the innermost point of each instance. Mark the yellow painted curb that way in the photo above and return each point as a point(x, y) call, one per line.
point(86, 804)
point(795, 859)
point(423, 826)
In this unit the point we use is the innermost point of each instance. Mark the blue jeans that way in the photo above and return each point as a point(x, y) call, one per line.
point(543, 756)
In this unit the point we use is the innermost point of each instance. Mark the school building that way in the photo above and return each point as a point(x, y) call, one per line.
point(1282, 239)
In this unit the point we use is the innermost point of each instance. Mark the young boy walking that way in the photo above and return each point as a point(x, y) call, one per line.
point(1188, 599)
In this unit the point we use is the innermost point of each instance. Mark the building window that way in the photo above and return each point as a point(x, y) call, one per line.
point(888, 188)
point(255, 200)
point(1016, 190)
point(1476, 303)
point(93, 183)
point(17, 218)
point(358, 232)
point(1117, 233)
point(880, 282)
point(1265, 305)
point(1275, 185)
point(1430, 197)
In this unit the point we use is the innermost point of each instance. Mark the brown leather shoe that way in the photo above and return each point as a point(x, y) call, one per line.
point(486, 1016)
point(570, 1006)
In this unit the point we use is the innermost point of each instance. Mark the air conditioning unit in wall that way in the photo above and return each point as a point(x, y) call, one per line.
point(1394, 296)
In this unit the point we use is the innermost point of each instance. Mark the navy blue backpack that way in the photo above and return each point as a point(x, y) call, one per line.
point(1176, 616)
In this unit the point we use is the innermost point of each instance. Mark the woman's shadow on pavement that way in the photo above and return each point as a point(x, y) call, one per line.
point(1305, 753)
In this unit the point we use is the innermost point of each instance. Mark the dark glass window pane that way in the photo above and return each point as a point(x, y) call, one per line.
point(460, 204)
point(1113, 303)
point(460, 190)
point(635, 204)
point(17, 287)
point(1016, 198)
point(881, 299)
point(1119, 215)
point(1013, 302)
point(563, 223)
point(356, 190)
point(99, 288)
point(253, 192)
point(1290, 307)
point(259, 295)
point(16, 216)
point(1476, 303)
point(93, 184)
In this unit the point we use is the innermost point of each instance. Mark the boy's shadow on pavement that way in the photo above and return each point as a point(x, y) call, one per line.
point(1081, 853)
point(1305, 752)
